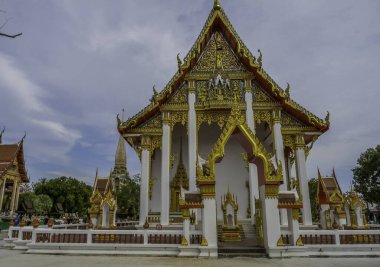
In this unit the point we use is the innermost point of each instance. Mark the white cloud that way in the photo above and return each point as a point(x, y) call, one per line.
point(79, 62)
point(17, 83)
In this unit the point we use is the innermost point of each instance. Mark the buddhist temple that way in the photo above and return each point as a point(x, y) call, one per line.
point(232, 131)
point(223, 151)
point(12, 174)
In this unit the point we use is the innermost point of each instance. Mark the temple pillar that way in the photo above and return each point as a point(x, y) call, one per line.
point(192, 137)
point(165, 169)
point(248, 100)
point(209, 221)
point(2, 190)
point(186, 227)
point(209, 224)
point(14, 189)
point(254, 189)
point(293, 225)
point(302, 179)
point(279, 150)
point(144, 184)
point(253, 176)
point(271, 217)
point(17, 197)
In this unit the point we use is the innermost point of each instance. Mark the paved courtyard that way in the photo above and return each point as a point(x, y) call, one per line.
point(19, 259)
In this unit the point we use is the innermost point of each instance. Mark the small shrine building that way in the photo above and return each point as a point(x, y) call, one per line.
point(12, 174)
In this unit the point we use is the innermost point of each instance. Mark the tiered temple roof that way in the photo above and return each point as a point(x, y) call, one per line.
point(12, 160)
point(329, 191)
point(218, 21)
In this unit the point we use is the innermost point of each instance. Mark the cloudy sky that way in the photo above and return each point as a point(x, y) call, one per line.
point(78, 63)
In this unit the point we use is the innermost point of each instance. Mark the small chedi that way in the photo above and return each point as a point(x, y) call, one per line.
point(221, 129)
point(103, 200)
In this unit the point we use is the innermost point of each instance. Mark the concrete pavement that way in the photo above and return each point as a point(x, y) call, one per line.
point(19, 259)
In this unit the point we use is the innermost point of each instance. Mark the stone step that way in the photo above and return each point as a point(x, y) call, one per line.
point(247, 255)
point(254, 252)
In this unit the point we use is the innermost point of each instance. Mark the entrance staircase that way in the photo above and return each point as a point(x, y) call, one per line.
point(247, 247)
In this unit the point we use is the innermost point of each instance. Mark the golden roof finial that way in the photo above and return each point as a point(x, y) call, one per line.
point(216, 4)
point(287, 90)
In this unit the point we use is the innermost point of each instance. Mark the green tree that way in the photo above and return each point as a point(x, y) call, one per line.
point(73, 194)
point(42, 204)
point(128, 197)
point(367, 175)
point(313, 186)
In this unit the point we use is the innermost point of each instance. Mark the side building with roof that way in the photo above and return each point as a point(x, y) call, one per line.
point(12, 175)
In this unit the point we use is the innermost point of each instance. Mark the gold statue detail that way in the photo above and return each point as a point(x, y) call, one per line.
point(287, 90)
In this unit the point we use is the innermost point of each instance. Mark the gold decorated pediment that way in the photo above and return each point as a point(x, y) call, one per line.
point(218, 52)
point(179, 97)
point(259, 95)
point(153, 123)
point(96, 198)
point(336, 197)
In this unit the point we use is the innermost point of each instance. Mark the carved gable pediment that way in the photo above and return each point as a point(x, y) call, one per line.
point(218, 55)
point(336, 197)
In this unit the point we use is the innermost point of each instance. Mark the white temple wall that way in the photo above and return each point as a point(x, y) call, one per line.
point(178, 131)
point(155, 202)
point(207, 137)
point(231, 172)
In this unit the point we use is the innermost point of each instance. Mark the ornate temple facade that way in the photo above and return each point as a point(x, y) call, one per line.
point(12, 175)
point(223, 150)
point(230, 130)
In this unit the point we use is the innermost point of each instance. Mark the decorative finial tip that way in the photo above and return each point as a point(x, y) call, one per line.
point(216, 4)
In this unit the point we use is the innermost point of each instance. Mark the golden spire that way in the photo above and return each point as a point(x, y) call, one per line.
point(120, 157)
point(216, 4)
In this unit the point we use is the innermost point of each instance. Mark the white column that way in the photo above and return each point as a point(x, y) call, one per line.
point(165, 169)
point(248, 101)
point(253, 175)
point(254, 189)
point(209, 221)
point(302, 179)
point(2, 193)
point(17, 197)
point(192, 137)
point(14, 189)
point(186, 229)
point(279, 149)
point(144, 184)
point(271, 219)
point(293, 226)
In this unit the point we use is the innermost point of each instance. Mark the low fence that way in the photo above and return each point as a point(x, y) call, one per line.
point(339, 237)
point(25, 233)
point(171, 237)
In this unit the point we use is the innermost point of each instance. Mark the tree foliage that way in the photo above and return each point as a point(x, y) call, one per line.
point(367, 175)
point(42, 204)
point(128, 197)
point(73, 194)
point(313, 186)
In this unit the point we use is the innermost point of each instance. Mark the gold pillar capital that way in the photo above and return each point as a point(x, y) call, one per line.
point(276, 115)
point(247, 86)
point(166, 117)
point(191, 86)
point(146, 142)
point(300, 140)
